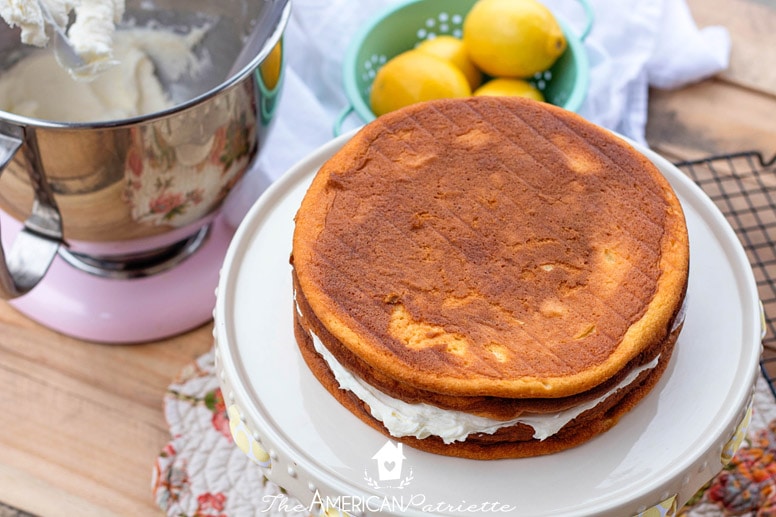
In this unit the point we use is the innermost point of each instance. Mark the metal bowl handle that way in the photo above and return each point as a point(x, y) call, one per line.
point(36, 245)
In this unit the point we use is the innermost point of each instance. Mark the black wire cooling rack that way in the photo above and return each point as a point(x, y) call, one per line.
point(743, 186)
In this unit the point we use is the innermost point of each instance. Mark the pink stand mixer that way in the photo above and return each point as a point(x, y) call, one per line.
point(113, 231)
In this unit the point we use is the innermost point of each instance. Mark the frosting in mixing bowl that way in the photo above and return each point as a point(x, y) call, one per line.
point(37, 87)
point(91, 34)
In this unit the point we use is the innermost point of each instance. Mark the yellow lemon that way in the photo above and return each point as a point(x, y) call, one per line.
point(505, 86)
point(415, 76)
point(512, 38)
point(453, 50)
point(270, 68)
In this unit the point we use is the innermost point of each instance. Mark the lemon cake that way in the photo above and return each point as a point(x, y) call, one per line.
point(488, 277)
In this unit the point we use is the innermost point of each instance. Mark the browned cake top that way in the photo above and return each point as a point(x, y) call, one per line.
point(491, 246)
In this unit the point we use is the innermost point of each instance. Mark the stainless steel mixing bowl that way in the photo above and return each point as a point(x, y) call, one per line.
point(125, 197)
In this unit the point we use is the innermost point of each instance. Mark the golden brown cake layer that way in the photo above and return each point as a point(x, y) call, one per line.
point(515, 441)
point(491, 247)
point(490, 407)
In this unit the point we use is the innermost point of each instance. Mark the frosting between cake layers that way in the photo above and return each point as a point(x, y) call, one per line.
point(424, 420)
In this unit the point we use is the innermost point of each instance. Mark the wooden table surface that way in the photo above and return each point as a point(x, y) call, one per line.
point(81, 423)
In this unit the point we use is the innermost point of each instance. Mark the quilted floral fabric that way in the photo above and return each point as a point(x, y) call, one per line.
point(202, 473)
point(747, 485)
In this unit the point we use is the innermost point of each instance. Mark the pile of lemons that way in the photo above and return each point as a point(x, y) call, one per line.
point(504, 43)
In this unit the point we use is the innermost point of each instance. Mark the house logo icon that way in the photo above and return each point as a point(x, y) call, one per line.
point(389, 460)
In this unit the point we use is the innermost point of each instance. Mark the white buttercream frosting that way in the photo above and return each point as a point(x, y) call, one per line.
point(93, 31)
point(423, 420)
point(91, 34)
point(36, 87)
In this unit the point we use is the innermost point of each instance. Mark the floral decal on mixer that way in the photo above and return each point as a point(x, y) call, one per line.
point(177, 175)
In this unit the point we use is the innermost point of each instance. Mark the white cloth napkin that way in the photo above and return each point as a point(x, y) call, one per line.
point(633, 44)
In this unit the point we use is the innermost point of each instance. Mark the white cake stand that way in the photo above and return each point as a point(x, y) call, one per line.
point(660, 453)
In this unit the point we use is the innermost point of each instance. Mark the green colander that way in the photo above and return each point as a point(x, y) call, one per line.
point(404, 25)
